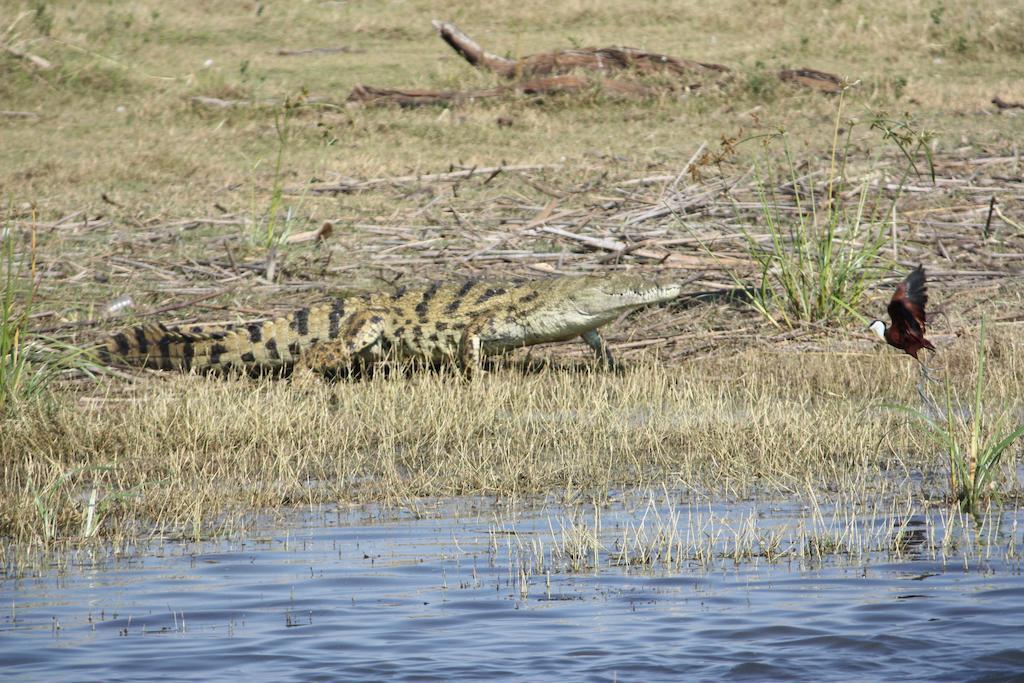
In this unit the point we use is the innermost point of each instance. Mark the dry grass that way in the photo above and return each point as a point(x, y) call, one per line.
point(128, 189)
point(117, 119)
point(192, 456)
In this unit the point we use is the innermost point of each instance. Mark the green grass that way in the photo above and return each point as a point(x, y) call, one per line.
point(815, 268)
point(817, 252)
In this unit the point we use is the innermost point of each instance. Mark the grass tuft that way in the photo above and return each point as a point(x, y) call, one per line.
point(813, 264)
point(813, 269)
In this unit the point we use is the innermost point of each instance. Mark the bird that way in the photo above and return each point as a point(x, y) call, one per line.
point(907, 311)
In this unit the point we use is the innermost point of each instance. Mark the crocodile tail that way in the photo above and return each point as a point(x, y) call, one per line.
point(157, 346)
point(268, 344)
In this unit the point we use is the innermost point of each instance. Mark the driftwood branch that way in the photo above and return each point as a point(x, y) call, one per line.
point(472, 52)
point(599, 59)
point(1005, 104)
point(348, 186)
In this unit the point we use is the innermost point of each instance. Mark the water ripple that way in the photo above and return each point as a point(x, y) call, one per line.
point(423, 600)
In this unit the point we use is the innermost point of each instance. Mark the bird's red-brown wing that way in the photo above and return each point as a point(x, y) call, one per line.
point(907, 307)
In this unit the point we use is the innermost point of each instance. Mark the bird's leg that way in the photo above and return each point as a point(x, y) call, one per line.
point(930, 409)
point(925, 372)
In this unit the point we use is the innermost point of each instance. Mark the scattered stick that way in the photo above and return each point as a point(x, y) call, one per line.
point(218, 103)
point(35, 60)
point(19, 115)
point(1014, 224)
point(318, 235)
point(570, 84)
point(661, 256)
point(156, 311)
point(314, 51)
point(1004, 104)
point(988, 220)
point(185, 304)
point(359, 185)
point(367, 94)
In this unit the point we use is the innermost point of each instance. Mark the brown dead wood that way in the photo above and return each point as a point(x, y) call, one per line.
point(318, 235)
point(575, 71)
point(35, 60)
point(285, 52)
point(367, 94)
point(600, 59)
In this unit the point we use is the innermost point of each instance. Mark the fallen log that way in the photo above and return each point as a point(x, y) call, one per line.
point(564, 84)
point(603, 59)
point(1006, 104)
point(575, 83)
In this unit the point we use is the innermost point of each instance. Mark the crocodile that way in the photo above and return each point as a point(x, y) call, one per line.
point(457, 323)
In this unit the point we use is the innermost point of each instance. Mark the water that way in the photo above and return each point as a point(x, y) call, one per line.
point(478, 592)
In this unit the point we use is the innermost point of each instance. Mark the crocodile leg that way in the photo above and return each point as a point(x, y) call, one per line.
point(363, 332)
point(484, 329)
point(595, 341)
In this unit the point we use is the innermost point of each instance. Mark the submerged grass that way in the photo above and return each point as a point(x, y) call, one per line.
point(662, 534)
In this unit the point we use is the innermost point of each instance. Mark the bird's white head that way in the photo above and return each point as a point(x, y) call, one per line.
point(878, 327)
